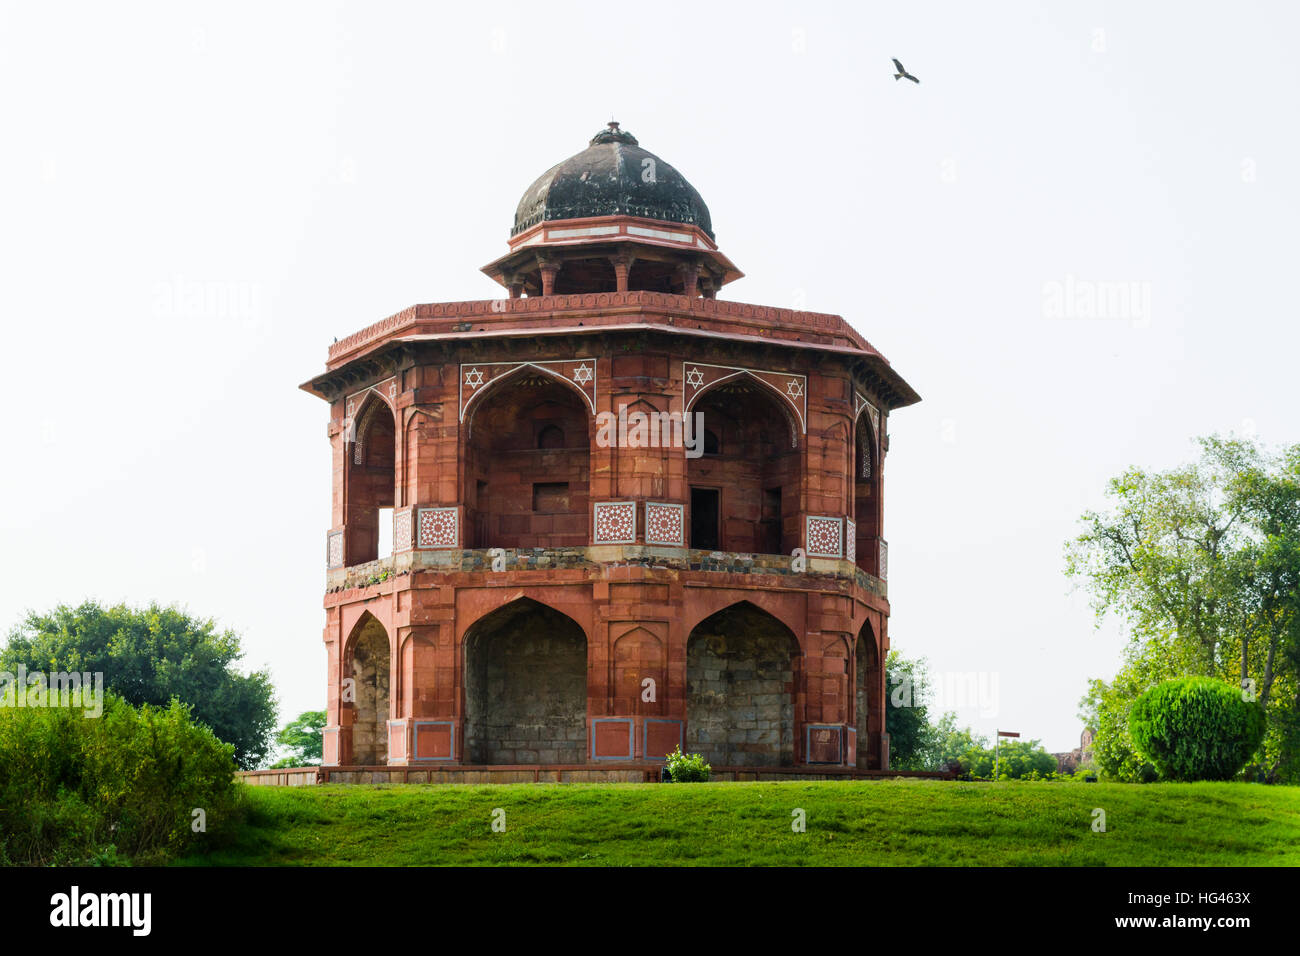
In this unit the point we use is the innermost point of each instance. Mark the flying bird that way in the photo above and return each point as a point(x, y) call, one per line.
point(903, 73)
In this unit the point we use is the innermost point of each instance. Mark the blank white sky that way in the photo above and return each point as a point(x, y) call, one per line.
point(312, 168)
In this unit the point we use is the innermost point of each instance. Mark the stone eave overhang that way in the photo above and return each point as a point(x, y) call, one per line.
point(547, 316)
point(607, 234)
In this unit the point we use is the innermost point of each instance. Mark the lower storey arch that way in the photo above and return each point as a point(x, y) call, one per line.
point(525, 687)
point(741, 670)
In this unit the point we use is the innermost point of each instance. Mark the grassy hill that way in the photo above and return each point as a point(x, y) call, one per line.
point(881, 823)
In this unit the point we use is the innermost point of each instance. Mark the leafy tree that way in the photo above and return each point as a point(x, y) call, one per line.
point(907, 684)
point(303, 738)
point(149, 656)
point(952, 744)
point(1203, 563)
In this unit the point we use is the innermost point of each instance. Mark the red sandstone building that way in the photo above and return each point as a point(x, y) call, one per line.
point(563, 591)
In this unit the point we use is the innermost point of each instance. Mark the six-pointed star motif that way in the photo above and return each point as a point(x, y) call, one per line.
point(694, 377)
point(795, 388)
point(582, 374)
point(474, 378)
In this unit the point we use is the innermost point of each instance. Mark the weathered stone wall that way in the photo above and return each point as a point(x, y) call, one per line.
point(740, 682)
point(867, 682)
point(526, 688)
point(371, 670)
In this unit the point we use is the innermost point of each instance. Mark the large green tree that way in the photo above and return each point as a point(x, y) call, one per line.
point(907, 718)
point(150, 655)
point(302, 740)
point(1203, 564)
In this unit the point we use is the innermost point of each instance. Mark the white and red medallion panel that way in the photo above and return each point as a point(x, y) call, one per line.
point(403, 530)
point(476, 379)
point(614, 522)
point(822, 536)
point(438, 528)
point(665, 523)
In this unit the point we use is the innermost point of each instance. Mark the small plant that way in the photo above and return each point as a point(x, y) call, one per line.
point(687, 768)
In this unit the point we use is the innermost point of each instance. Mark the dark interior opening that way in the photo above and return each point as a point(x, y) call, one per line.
point(704, 518)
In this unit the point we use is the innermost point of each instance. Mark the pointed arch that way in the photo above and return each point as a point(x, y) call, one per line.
point(637, 654)
point(869, 700)
point(370, 473)
point(519, 370)
point(866, 494)
point(367, 667)
point(745, 496)
point(525, 687)
point(522, 489)
point(742, 667)
point(793, 413)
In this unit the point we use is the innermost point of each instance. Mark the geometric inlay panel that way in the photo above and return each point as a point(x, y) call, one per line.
point(402, 528)
point(884, 561)
point(665, 523)
point(850, 540)
point(438, 528)
point(334, 550)
point(615, 522)
point(823, 536)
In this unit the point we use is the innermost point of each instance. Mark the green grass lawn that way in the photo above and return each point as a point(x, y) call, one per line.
point(876, 823)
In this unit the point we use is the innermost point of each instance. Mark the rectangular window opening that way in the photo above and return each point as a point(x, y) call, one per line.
point(385, 532)
point(704, 519)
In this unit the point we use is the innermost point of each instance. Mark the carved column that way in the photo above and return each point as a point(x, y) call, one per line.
point(515, 283)
point(549, 268)
point(622, 263)
point(688, 273)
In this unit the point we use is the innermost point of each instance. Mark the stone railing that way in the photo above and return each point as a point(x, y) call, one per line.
point(594, 557)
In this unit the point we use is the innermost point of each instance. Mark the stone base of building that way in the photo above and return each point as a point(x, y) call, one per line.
point(577, 773)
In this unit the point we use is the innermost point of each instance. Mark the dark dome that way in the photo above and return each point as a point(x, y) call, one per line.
point(608, 178)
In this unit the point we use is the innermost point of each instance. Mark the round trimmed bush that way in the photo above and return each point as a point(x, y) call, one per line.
point(1196, 728)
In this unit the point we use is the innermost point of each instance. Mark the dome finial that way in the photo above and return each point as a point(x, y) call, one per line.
point(612, 134)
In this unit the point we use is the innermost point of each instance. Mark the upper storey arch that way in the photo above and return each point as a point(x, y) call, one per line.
point(482, 378)
point(789, 389)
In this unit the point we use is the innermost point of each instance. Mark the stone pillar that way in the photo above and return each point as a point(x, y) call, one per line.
point(515, 283)
point(622, 263)
point(688, 273)
point(549, 269)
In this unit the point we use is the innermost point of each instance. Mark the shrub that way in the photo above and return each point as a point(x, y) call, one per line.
point(1196, 728)
point(118, 788)
point(687, 768)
